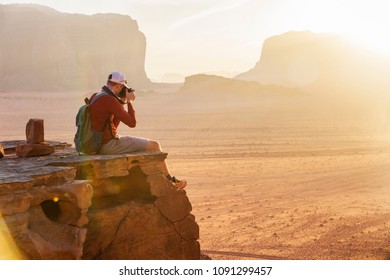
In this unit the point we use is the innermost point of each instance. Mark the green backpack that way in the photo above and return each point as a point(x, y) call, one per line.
point(87, 140)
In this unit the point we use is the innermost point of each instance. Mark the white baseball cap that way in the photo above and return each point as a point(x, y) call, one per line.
point(119, 78)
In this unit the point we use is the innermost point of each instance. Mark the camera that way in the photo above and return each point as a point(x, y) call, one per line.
point(123, 92)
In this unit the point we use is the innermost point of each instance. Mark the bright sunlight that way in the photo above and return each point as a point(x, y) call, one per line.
point(364, 22)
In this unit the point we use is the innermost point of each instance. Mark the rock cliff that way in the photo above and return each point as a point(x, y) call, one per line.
point(319, 62)
point(43, 49)
point(66, 206)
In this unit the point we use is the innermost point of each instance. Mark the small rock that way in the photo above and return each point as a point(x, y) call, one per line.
point(33, 150)
point(35, 131)
point(2, 153)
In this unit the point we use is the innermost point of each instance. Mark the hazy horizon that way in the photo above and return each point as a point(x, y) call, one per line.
point(225, 37)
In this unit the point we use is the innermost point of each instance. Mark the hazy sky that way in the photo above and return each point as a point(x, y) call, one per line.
point(225, 36)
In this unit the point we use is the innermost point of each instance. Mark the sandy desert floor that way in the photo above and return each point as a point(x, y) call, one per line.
point(269, 178)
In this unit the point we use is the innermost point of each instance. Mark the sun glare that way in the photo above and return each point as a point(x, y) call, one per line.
point(9, 250)
point(368, 26)
point(371, 38)
point(363, 22)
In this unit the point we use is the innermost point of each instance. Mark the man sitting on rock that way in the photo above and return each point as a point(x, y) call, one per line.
point(107, 113)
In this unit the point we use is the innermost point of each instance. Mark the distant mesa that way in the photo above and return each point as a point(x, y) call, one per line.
point(43, 49)
point(172, 78)
point(318, 62)
point(304, 62)
point(202, 83)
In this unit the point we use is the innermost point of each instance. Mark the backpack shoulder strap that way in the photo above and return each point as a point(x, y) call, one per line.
point(93, 99)
point(96, 96)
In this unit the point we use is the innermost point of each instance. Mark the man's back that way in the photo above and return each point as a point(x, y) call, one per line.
point(107, 113)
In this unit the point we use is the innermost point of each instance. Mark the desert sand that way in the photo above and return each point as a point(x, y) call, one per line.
point(285, 177)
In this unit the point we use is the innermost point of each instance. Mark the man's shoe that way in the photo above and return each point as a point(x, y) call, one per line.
point(180, 184)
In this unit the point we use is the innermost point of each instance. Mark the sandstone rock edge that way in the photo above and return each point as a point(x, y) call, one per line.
point(66, 206)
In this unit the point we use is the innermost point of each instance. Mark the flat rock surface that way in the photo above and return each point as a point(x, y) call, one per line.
point(10, 146)
point(14, 169)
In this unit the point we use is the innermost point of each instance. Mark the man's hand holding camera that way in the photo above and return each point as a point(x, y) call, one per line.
point(127, 95)
point(130, 95)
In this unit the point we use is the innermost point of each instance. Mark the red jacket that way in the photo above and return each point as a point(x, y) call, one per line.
point(107, 108)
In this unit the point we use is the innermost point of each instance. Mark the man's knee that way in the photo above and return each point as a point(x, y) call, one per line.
point(153, 146)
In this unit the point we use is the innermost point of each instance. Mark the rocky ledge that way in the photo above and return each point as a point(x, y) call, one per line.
point(67, 206)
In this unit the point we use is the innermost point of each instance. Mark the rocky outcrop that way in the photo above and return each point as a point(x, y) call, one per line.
point(66, 206)
point(43, 49)
point(319, 63)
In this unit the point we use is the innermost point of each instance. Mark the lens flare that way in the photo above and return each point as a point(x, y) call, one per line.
point(9, 250)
